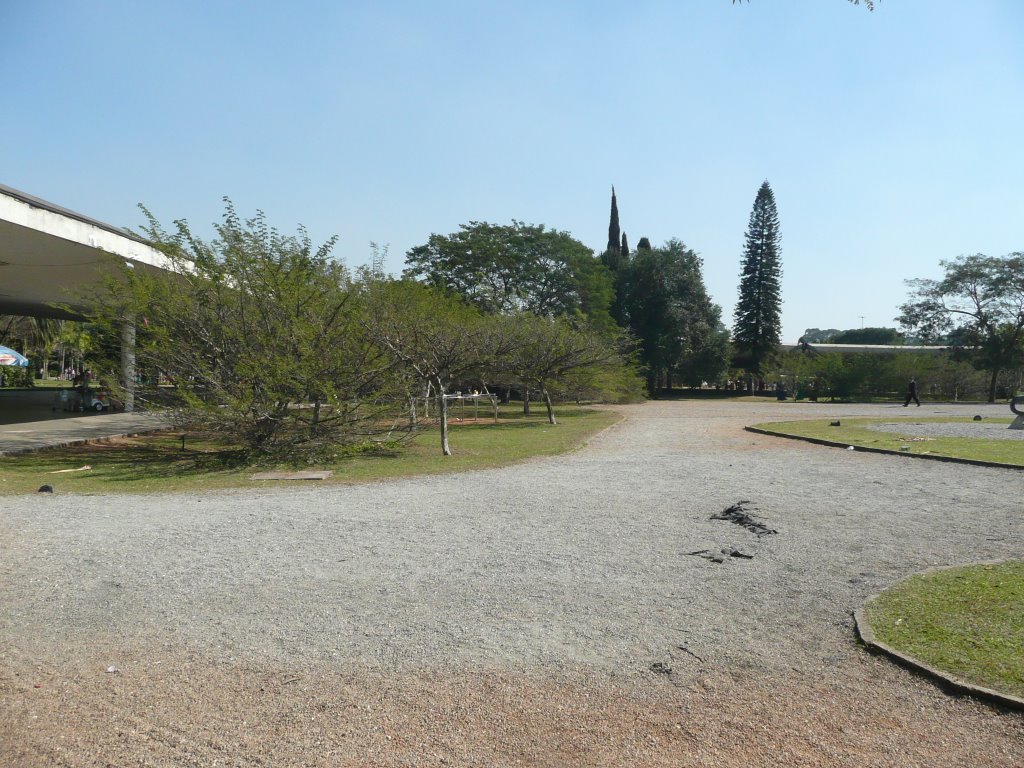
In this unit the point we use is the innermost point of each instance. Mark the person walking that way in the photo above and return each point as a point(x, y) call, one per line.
point(912, 393)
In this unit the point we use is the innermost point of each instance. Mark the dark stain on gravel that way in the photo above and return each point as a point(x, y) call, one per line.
point(737, 513)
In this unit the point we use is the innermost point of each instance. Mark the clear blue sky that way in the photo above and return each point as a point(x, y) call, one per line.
point(892, 139)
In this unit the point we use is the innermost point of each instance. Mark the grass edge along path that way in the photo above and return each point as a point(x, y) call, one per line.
point(155, 463)
point(854, 432)
point(962, 625)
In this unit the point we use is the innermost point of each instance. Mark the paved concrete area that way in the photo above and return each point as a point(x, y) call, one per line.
point(33, 419)
point(74, 429)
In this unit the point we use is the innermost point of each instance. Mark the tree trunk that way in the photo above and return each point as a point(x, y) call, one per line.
point(547, 402)
point(526, 401)
point(445, 448)
point(992, 385)
point(412, 410)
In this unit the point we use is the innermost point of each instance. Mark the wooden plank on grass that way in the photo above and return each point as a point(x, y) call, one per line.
point(303, 475)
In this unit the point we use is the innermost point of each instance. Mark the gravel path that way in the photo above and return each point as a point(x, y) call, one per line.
point(544, 614)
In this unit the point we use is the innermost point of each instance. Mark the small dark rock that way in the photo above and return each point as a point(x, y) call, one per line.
point(45, 489)
point(977, 418)
point(834, 424)
point(661, 668)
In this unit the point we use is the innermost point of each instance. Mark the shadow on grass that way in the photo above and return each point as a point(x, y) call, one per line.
point(132, 459)
point(164, 461)
point(161, 456)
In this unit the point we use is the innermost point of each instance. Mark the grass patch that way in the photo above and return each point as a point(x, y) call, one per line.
point(156, 463)
point(967, 621)
point(42, 384)
point(855, 432)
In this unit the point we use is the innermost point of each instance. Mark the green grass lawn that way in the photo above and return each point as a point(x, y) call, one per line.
point(157, 463)
point(44, 384)
point(855, 432)
point(966, 621)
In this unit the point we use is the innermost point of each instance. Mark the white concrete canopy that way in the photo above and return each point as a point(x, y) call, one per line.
point(49, 255)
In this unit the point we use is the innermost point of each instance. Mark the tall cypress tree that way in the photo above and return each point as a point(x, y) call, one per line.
point(757, 325)
point(625, 246)
point(613, 225)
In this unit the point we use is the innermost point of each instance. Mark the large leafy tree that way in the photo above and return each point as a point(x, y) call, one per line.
point(979, 304)
point(678, 328)
point(757, 319)
point(508, 268)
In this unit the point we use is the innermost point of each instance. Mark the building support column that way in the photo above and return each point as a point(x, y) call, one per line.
point(128, 363)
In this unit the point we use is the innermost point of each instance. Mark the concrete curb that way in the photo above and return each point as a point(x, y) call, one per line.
point(943, 679)
point(886, 451)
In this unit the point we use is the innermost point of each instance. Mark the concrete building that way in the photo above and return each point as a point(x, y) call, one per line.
point(51, 256)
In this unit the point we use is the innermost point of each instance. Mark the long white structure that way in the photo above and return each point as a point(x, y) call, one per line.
point(49, 255)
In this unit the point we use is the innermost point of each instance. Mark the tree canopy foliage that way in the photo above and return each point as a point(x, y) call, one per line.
point(883, 336)
point(979, 304)
point(668, 309)
point(516, 268)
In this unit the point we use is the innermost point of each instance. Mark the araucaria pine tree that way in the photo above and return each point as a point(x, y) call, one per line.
point(758, 312)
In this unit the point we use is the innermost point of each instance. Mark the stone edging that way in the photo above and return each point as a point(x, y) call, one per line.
point(944, 679)
point(886, 451)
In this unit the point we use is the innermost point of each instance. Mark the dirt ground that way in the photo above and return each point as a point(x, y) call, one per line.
point(161, 710)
